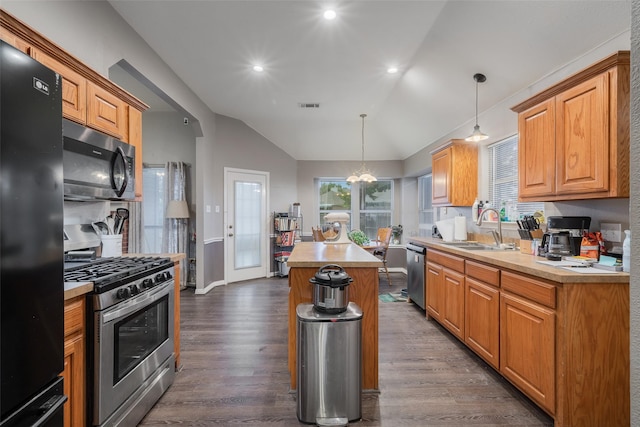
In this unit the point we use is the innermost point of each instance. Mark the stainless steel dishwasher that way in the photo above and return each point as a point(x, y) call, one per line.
point(415, 274)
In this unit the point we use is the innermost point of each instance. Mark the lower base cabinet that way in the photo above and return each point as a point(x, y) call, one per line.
point(527, 348)
point(565, 345)
point(482, 320)
point(74, 362)
point(445, 291)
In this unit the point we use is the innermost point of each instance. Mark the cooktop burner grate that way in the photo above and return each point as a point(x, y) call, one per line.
point(110, 273)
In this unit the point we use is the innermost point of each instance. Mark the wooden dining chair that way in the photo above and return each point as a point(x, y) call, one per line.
point(383, 237)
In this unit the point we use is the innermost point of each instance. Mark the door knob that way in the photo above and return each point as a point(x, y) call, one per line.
point(230, 234)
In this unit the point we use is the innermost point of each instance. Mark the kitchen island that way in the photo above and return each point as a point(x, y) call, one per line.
point(559, 335)
point(304, 262)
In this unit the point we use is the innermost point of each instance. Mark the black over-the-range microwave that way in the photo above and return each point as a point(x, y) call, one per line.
point(96, 166)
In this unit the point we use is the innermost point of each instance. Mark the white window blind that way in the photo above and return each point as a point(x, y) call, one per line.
point(425, 209)
point(503, 177)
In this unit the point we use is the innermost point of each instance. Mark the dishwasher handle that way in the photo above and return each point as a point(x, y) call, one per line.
point(416, 248)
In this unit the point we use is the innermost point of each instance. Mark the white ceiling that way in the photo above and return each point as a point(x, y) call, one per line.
point(341, 64)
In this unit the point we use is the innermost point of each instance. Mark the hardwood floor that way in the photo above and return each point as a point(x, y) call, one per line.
point(234, 355)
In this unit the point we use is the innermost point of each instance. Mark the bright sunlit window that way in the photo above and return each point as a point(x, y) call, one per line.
point(370, 209)
point(153, 203)
point(503, 179)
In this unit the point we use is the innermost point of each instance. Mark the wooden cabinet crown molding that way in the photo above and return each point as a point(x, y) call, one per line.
point(51, 49)
point(622, 57)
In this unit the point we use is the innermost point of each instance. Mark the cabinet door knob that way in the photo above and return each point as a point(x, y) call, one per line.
point(230, 234)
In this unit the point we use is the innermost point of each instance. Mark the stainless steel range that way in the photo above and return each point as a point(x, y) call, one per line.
point(130, 330)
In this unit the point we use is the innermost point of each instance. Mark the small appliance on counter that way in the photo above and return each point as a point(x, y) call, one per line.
point(338, 223)
point(563, 236)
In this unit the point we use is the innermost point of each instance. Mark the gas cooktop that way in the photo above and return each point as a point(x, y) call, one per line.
point(110, 273)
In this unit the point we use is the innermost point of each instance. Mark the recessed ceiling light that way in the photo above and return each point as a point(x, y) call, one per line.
point(392, 70)
point(258, 68)
point(329, 14)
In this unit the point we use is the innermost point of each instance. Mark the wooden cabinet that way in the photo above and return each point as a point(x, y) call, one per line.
point(574, 137)
point(482, 311)
point(74, 88)
point(106, 112)
point(445, 291)
point(135, 139)
point(455, 174)
point(565, 345)
point(15, 40)
point(435, 290)
point(87, 97)
point(527, 336)
point(74, 362)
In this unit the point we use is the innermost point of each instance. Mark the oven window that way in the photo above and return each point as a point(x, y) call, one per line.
point(138, 335)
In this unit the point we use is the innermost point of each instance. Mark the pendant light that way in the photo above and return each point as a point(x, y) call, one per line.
point(362, 174)
point(477, 134)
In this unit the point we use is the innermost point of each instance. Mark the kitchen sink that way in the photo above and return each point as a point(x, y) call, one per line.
point(475, 246)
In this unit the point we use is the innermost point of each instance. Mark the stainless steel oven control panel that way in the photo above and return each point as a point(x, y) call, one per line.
point(131, 289)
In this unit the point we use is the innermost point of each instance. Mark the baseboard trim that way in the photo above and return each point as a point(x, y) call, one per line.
point(209, 287)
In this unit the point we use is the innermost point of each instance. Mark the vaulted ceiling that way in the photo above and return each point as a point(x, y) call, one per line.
point(342, 64)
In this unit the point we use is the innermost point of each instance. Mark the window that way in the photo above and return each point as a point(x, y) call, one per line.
point(334, 196)
point(153, 208)
point(503, 180)
point(425, 210)
point(370, 210)
point(376, 206)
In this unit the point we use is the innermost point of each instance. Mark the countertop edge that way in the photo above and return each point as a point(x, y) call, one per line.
point(522, 263)
point(76, 289)
point(317, 254)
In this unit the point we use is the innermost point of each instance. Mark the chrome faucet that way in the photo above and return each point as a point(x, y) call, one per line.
point(496, 236)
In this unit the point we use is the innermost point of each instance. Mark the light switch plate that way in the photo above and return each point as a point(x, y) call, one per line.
point(611, 232)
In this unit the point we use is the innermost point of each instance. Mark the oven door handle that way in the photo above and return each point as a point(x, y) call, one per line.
point(134, 304)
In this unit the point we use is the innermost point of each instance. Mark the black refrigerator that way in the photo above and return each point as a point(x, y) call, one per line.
point(31, 242)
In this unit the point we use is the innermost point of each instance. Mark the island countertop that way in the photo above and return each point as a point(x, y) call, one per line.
point(317, 254)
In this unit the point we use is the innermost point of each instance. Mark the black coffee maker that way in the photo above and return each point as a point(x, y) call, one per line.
point(563, 236)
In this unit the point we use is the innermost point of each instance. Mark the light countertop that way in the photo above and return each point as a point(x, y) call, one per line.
point(174, 257)
point(523, 263)
point(75, 289)
point(317, 254)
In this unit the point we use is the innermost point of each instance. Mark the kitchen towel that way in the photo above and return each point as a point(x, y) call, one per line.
point(460, 228)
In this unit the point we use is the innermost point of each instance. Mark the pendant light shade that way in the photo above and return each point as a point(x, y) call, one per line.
point(362, 174)
point(477, 134)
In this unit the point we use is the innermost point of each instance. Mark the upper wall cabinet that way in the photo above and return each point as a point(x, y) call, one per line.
point(455, 174)
point(574, 136)
point(87, 97)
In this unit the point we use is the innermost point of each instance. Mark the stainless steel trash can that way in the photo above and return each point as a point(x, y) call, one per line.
point(329, 365)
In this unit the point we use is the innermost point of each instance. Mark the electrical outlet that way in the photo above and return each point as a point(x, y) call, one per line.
point(611, 232)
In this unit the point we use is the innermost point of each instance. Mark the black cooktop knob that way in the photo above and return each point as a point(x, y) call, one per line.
point(135, 290)
point(147, 283)
point(167, 275)
point(123, 293)
point(159, 277)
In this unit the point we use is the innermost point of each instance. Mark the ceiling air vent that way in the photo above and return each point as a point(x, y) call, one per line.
point(308, 105)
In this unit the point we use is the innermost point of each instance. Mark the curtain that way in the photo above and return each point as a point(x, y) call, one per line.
point(136, 232)
point(175, 233)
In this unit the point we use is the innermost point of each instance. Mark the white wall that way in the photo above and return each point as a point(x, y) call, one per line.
point(165, 138)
